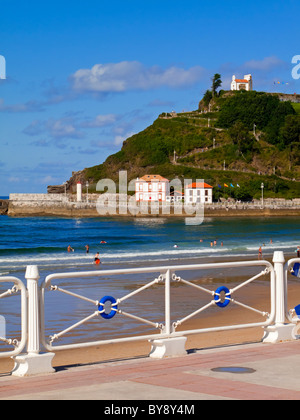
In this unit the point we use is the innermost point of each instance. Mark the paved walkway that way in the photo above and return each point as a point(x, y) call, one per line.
point(249, 372)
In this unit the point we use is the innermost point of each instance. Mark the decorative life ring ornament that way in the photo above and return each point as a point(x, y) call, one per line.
point(113, 311)
point(217, 296)
point(296, 270)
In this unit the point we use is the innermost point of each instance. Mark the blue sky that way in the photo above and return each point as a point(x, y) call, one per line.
point(83, 76)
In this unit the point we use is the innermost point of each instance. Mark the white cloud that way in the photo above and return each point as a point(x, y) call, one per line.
point(47, 179)
point(29, 106)
point(120, 138)
point(57, 128)
point(266, 64)
point(63, 127)
point(100, 121)
point(14, 179)
point(132, 75)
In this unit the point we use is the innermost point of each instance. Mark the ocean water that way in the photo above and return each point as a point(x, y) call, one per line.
point(43, 241)
point(129, 243)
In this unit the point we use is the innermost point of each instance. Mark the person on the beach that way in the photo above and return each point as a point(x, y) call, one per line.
point(87, 249)
point(70, 248)
point(260, 253)
point(97, 258)
point(298, 251)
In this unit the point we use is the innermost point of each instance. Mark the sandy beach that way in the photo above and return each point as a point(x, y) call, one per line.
point(255, 295)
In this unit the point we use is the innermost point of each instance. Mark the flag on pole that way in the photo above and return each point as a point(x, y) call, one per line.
point(237, 185)
point(225, 185)
point(219, 186)
point(231, 185)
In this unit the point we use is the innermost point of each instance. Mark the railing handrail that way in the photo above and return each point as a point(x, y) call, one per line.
point(138, 270)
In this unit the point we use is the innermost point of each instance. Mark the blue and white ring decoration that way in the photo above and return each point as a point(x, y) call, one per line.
point(217, 296)
point(114, 307)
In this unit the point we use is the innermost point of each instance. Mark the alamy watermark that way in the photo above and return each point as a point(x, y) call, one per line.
point(112, 203)
point(296, 69)
point(2, 67)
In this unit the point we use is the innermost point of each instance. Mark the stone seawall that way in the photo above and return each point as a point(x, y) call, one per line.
point(61, 205)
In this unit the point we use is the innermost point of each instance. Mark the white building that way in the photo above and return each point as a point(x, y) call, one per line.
point(152, 188)
point(242, 84)
point(198, 192)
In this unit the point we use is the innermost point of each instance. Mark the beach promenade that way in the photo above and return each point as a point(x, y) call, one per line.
point(253, 371)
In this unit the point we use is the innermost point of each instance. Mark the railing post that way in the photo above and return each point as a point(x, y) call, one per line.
point(280, 331)
point(32, 276)
point(33, 362)
point(167, 303)
point(173, 346)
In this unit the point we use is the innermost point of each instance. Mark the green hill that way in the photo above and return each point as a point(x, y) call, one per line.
point(252, 135)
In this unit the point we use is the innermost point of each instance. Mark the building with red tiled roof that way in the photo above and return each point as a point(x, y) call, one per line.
point(152, 188)
point(242, 84)
point(198, 192)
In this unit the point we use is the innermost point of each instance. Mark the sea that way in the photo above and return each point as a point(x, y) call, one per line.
point(126, 243)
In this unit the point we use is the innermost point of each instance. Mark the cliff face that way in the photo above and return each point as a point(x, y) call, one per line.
point(69, 186)
point(3, 207)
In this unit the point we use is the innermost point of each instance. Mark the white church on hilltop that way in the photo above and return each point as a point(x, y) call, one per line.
point(242, 84)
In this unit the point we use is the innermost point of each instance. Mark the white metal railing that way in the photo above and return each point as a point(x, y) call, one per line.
point(33, 320)
point(167, 276)
point(18, 286)
point(288, 268)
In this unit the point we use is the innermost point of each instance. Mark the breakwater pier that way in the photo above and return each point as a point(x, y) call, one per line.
point(68, 205)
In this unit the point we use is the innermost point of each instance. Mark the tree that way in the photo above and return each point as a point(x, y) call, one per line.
point(290, 131)
point(216, 83)
point(241, 137)
point(207, 97)
point(266, 111)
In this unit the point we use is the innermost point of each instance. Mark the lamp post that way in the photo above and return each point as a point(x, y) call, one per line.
point(262, 193)
point(87, 191)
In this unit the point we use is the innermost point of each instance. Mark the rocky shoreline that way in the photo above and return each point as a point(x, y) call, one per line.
point(4, 206)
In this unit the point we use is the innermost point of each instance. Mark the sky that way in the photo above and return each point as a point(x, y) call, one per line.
point(83, 76)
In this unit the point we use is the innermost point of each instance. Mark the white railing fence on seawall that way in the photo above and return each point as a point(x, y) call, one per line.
point(279, 323)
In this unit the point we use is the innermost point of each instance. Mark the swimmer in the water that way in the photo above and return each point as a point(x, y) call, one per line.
point(97, 258)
